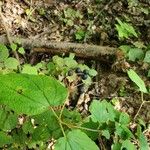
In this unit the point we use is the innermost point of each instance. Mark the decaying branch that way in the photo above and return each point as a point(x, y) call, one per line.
point(46, 46)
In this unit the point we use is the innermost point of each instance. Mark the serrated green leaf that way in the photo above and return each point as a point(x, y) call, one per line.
point(76, 140)
point(127, 145)
point(3, 52)
point(137, 80)
point(135, 54)
point(31, 94)
point(101, 111)
point(147, 57)
point(124, 118)
point(11, 63)
point(5, 139)
point(142, 139)
point(28, 69)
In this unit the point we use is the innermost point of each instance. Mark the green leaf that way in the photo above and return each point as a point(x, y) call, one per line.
point(92, 72)
point(76, 140)
point(80, 34)
point(8, 120)
point(27, 127)
point(28, 69)
point(124, 118)
point(125, 48)
point(5, 139)
point(106, 134)
point(124, 29)
point(31, 94)
point(3, 52)
point(147, 57)
point(135, 54)
point(102, 111)
point(58, 61)
point(137, 80)
point(13, 46)
point(142, 139)
point(48, 119)
point(21, 50)
point(69, 62)
point(41, 133)
point(123, 131)
point(128, 145)
point(116, 146)
point(91, 125)
point(11, 63)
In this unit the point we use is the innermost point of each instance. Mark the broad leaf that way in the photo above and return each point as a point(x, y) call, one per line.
point(102, 111)
point(28, 69)
point(137, 80)
point(31, 94)
point(75, 140)
point(11, 63)
point(135, 54)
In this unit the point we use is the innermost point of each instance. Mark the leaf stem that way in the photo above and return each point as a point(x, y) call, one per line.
point(82, 128)
point(60, 122)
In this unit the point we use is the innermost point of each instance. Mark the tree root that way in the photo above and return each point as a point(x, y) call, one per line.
point(46, 46)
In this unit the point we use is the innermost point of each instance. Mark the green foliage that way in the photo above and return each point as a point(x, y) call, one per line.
point(31, 94)
point(9, 120)
point(75, 140)
point(40, 98)
point(132, 53)
point(142, 139)
point(125, 30)
point(28, 69)
point(137, 80)
point(70, 15)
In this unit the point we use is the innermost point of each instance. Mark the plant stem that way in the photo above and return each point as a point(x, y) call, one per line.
point(82, 128)
point(60, 122)
point(142, 99)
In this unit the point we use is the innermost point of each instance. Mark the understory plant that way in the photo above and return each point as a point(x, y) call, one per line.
point(39, 101)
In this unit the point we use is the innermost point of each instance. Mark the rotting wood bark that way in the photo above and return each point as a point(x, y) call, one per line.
point(46, 46)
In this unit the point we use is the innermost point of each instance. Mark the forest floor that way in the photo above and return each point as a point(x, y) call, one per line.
point(92, 22)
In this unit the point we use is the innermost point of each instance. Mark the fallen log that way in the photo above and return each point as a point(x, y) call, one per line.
point(47, 46)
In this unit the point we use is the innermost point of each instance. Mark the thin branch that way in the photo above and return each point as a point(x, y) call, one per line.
point(8, 34)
